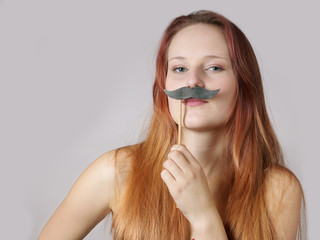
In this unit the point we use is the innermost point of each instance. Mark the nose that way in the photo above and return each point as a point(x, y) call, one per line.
point(195, 79)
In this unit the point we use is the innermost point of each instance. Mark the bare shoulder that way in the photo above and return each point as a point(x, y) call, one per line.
point(283, 201)
point(90, 199)
point(122, 165)
point(111, 170)
point(281, 184)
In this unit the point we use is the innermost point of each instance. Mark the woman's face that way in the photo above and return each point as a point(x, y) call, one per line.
point(198, 56)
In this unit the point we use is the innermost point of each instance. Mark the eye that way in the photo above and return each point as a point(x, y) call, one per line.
point(215, 68)
point(179, 69)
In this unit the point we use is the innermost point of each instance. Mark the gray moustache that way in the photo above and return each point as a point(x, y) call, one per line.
point(196, 92)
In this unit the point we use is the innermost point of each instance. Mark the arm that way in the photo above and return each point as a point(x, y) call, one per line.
point(87, 203)
point(283, 200)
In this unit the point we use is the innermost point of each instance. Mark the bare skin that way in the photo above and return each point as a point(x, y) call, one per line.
point(85, 206)
point(88, 202)
point(197, 56)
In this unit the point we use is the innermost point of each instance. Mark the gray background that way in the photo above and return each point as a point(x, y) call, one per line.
point(63, 63)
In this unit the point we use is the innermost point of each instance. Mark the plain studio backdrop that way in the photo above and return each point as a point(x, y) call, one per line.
point(76, 81)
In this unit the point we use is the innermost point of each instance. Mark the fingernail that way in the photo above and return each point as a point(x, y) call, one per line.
point(174, 147)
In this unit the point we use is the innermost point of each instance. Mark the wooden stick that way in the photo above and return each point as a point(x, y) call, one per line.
point(179, 128)
point(180, 121)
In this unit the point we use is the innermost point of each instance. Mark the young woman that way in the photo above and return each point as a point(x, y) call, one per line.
point(226, 180)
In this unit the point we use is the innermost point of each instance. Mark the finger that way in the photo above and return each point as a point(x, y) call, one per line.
point(181, 161)
point(188, 155)
point(173, 169)
point(168, 179)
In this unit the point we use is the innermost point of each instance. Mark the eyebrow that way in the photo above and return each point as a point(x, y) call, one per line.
point(207, 56)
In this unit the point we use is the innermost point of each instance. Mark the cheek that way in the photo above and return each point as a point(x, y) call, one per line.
point(173, 83)
point(227, 95)
point(172, 103)
point(168, 84)
point(173, 108)
point(228, 87)
point(222, 103)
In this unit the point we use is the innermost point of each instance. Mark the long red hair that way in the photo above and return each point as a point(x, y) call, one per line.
point(146, 210)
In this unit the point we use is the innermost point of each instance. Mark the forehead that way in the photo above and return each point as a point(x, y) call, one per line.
point(199, 40)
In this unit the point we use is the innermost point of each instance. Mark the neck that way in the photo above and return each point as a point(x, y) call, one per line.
point(207, 148)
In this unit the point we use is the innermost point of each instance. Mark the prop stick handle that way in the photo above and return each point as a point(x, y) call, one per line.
point(180, 121)
point(179, 127)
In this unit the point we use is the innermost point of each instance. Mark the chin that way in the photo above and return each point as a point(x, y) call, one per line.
point(202, 126)
point(198, 126)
